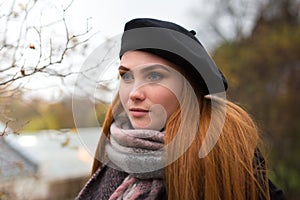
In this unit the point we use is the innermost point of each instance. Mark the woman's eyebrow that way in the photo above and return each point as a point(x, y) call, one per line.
point(123, 68)
point(155, 66)
point(147, 68)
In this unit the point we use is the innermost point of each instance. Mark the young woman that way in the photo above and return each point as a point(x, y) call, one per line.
point(166, 134)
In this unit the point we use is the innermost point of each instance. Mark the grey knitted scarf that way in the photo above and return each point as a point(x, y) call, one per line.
point(141, 154)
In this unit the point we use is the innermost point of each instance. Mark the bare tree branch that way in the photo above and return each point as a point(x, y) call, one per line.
point(28, 47)
point(13, 68)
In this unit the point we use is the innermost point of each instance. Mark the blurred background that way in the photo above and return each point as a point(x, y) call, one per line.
point(44, 43)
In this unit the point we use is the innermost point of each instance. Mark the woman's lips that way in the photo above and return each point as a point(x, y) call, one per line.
point(138, 112)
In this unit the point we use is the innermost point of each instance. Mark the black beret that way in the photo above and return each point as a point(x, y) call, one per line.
point(178, 45)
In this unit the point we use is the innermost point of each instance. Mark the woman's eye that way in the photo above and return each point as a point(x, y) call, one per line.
point(126, 76)
point(154, 76)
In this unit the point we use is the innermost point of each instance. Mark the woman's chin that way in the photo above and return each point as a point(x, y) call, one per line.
point(149, 126)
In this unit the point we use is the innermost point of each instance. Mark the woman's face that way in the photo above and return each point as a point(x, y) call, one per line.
point(149, 89)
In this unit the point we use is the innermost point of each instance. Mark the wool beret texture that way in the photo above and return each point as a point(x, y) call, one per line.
point(177, 45)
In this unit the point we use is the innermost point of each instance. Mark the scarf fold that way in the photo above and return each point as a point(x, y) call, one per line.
point(141, 154)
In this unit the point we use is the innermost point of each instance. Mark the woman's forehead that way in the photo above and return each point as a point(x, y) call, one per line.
point(132, 59)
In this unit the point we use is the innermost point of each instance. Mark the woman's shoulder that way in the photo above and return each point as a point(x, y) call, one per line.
point(275, 193)
point(260, 163)
point(90, 187)
point(101, 184)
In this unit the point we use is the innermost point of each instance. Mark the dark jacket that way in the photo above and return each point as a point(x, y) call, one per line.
point(106, 180)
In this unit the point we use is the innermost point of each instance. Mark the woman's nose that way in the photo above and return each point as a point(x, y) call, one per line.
point(137, 94)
